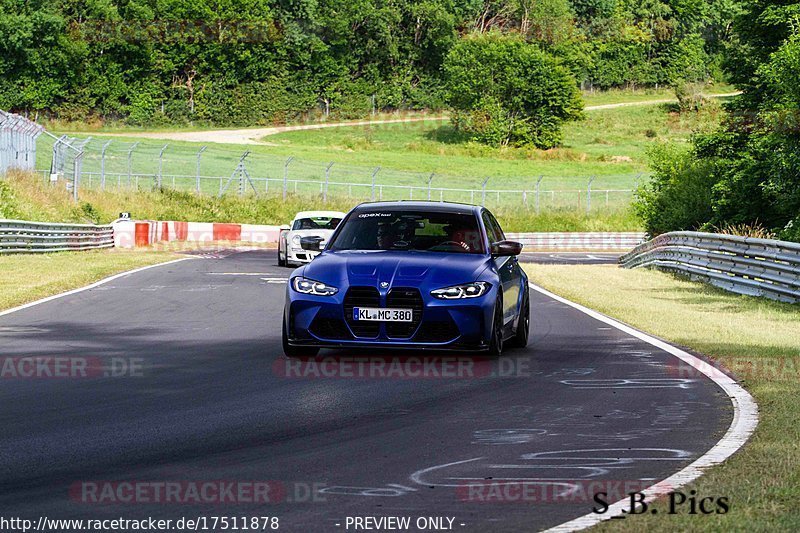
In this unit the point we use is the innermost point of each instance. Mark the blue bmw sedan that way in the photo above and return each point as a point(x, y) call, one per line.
point(414, 275)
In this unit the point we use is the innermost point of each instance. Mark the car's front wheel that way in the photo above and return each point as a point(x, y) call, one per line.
point(521, 337)
point(496, 338)
point(296, 351)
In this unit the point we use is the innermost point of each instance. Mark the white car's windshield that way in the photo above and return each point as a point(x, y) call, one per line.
point(316, 223)
point(410, 230)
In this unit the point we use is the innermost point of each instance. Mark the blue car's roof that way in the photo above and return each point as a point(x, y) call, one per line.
point(417, 205)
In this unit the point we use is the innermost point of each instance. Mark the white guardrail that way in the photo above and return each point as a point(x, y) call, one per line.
point(20, 236)
point(744, 265)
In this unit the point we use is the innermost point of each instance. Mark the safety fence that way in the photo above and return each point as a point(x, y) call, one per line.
point(755, 267)
point(19, 236)
point(17, 142)
point(117, 164)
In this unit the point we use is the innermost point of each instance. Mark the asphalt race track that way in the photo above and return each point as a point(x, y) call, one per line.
point(213, 398)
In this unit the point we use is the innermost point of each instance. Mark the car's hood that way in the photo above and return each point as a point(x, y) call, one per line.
point(398, 268)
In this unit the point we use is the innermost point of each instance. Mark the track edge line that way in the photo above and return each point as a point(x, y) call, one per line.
point(745, 420)
point(88, 287)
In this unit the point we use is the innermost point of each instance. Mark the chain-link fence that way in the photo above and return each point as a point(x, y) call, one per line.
point(116, 164)
point(17, 142)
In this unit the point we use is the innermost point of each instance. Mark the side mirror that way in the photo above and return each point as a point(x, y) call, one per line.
point(506, 248)
point(312, 244)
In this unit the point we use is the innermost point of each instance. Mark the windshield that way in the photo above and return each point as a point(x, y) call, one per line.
point(316, 223)
point(410, 230)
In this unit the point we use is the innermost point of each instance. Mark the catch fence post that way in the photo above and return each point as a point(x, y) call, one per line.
point(161, 164)
point(374, 174)
point(286, 176)
point(197, 169)
point(103, 166)
point(327, 180)
point(130, 155)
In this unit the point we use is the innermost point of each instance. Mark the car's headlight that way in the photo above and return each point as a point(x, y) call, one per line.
point(309, 286)
point(468, 290)
point(296, 240)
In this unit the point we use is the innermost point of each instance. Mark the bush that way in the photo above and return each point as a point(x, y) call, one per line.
point(679, 195)
point(505, 91)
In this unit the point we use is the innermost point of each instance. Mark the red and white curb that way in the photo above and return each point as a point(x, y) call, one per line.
point(745, 420)
point(135, 233)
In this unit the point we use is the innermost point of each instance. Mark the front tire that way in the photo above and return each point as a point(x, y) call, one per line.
point(296, 351)
point(281, 261)
point(496, 338)
point(520, 339)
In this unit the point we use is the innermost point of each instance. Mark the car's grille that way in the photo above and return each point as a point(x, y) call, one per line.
point(404, 298)
point(329, 328)
point(361, 297)
point(437, 331)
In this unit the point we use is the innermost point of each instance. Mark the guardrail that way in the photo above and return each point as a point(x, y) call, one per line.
point(20, 236)
point(755, 267)
point(578, 241)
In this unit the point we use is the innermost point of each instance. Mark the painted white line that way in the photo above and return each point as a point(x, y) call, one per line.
point(87, 287)
point(745, 420)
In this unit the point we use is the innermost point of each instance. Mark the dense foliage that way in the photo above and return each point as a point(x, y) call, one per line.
point(747, 172)
point(506, 91)
point(257, 61)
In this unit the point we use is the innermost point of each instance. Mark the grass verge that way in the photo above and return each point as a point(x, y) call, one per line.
point(25, 278)
point(758, 340)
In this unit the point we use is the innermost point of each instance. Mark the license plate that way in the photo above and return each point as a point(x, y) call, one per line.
point(375, 314)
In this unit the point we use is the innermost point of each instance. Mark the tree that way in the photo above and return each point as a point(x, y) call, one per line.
point(751, 165)
point(506, 91)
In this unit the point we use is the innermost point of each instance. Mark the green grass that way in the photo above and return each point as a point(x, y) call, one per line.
point(758, 339)
point(59, 272)
point(620, 96)
point(28, 197)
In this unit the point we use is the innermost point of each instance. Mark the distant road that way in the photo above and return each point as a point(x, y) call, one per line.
point(254, 135)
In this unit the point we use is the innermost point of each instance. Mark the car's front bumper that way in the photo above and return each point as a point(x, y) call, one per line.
point(439, 324)
point(298, 256)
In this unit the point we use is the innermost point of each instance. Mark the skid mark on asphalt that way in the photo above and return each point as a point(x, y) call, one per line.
point(507, 436)
point(618, 384)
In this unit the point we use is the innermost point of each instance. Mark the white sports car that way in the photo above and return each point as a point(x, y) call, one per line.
point(306, 224)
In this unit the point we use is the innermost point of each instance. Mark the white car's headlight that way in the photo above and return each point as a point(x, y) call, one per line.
point(467, 290)
point(309, 286)
point(296, 240)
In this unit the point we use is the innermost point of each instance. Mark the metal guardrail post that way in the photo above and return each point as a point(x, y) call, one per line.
point(589, 195)
point(430, 180)
point(483, 192)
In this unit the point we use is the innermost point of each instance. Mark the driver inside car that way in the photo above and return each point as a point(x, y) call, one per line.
point(461, 236)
